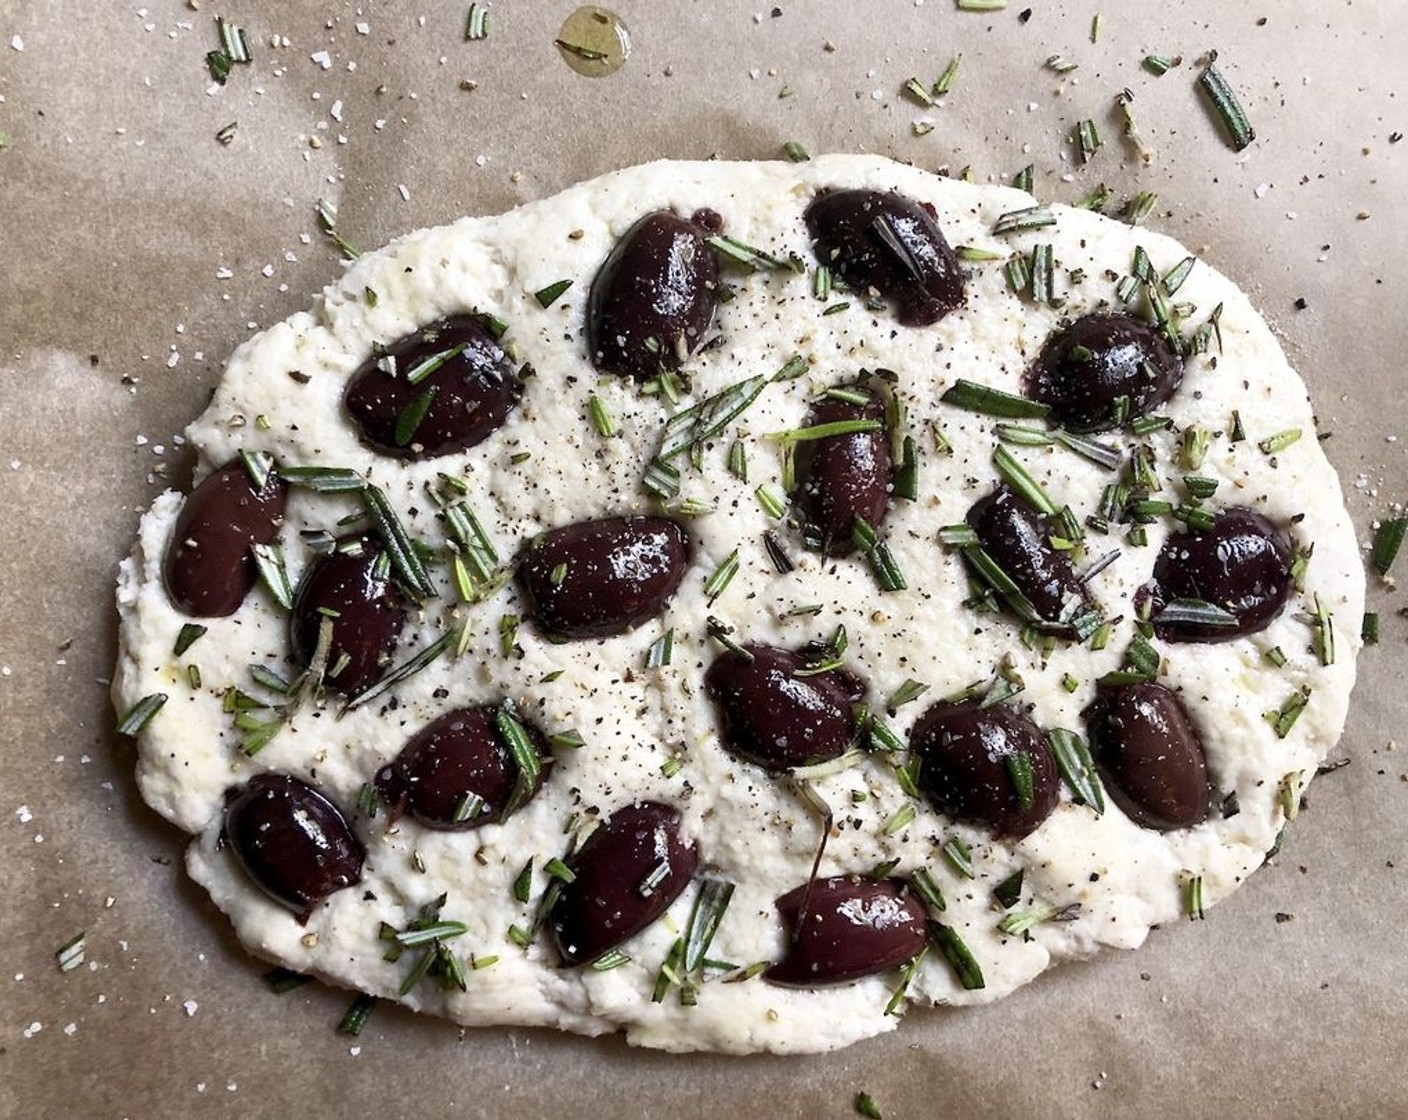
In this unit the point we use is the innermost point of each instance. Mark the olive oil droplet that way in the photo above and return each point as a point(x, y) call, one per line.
point(594, 41)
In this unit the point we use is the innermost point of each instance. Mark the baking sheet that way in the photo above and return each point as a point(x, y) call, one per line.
point(136, 251)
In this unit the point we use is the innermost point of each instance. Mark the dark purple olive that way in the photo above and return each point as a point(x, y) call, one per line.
point(354, 590)
point(844, 477)
point(625, 876)
point(969, 765)
point(1086, 366)
point(456, 773)
point(595, 578)
point(209, 567)
point(851, 927)
point(776, 718)
point(1018, 538)
point(884, 241)
point(291, 840)
point(1149, 756)
point(466, 395)
point(1242, 564)
point(654, 297)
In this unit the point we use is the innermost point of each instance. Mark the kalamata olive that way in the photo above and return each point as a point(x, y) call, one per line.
point(291, 840)
point(1242, 564)
point(777, 718)
point(595, 578)
point(970, 765)
point(626, 875)
point(844, 477)
point(352, 587)
point(458, 772)
point(1090, 363)
point(885, 241)
point(654, 297)
point(457, 368)
point(209, 567)
point(1018, 538)
point(851, 927)
point(1149, 756)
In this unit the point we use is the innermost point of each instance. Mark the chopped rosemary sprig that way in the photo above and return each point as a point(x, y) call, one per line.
point(981, 5)
point(774, 505)
point(956, 851)
point(357, 1015)
point(1158, 64)
point(410, 418)
point(970, 974)
point(327, 222)
point(795, 152)
point(71, 953)
point(705, 917)
point(601, 418)
point(1061, 65)
point(281, 980)
point(1021, 481)
point(1388, 538)
point(1077, 767)
point(887, 571)
point(692, 426)
point(661, 650)
point(1369, 628)
point(273, 573)
point(1196, 612)
point(426, 366)
point(546, 297)
point(401, 672)
point(1195, 898)
point(476, 25)
point(865, 1106)
point(755, 259)
point(1228, 108)
point(1009, 892)
point(400, 550)
point(325, 480)
point(722, 575)
point(140, 714)
point(974, 397)
point(1140, 207)
point(1027, 218)
point(1324, 625)
point(910, 690)
point(825, 431)
point(526, 759)
point(190, 633)
point(1087, 139)
point(1284, 718)
point(946, 79)
point(1278, 442)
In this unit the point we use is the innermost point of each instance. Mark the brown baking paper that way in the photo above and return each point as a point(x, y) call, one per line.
point(136, 251)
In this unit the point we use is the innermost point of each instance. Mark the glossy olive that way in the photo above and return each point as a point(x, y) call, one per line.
point(851, 927)
point(352, 587)
point(885, 241)
point(208, 567)
point(1089, 364)
point(964, 768)
point(595, 578)
point(456, 773)
point(1018, 538)
point(844, 477)
point(1149, 756)
point(471, 391)
point(291, 840)
point(1242, 564)
point(777, 718)
point(626, 875)
point(653, 299)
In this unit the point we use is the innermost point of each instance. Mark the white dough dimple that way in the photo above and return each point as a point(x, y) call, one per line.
point(1109, 879)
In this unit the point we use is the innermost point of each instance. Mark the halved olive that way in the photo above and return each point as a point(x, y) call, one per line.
point(209, 567)
point(1088, 365)
point(846, 927)
point(351, 588)
point(654, 297)
point(1242, 565)
point(988, 765)
point(777, 713)
point(844, 477)
point(625, 876)
point(885, 241)
point(291, 840)
point(458, 772)
point(591, 579)
point(445, 388)
point(1149, 756)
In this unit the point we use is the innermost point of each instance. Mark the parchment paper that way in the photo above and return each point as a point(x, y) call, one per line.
point(136, 251)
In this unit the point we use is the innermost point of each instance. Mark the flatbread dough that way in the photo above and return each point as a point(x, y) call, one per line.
point(653, 733)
